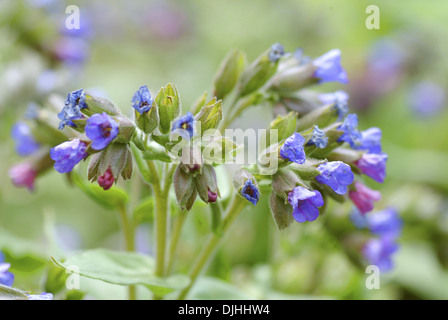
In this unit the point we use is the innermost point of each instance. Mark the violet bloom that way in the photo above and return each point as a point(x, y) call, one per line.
point(6, 277)
point(370, 140)
point(427, 98)
point(363, 197)
point(379, 251)
point(292, 149)
point(358, 219)
point(318, 138)
point(385, 223)
point(337, 175)
point(339, 98)
point(74, 103)
point(186, 124)
point(277, 51)
point(71, 50)
point(24, 140)
point(142, 100)
point(106, 181)
point(250, 192)
point(351, 134)
point(68, 154)
point(329, 67)
point(305, 204)
point(373, 165)
point(23, 175)
point(101, 129)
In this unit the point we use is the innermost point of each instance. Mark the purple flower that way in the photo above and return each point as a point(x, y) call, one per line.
point(23, 175)
point(363, 197)
point(106, 181)
point(101, 129)
point(335, 174)
point(370, 140)
point(358, 219)
point(6, 277)
point(24, 140)
point(329, 67)
point(74, 103)
point(68, 154)
point(318, 138)
point(42, 296)
point(351, 134)
point(304, 203)
point(250, 192)
point(71, 50)
point(427, 98)
point(185, 124)
point(277, 51)
point(385, 223)
point(379, 251)
point(373, 165)
point(292, 149)
point(339, 98)
point(142, 100)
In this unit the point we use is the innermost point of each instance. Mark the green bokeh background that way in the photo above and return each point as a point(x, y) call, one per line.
point(256, 260)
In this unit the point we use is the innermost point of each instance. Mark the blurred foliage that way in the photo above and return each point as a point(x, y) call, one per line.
point(153, 42)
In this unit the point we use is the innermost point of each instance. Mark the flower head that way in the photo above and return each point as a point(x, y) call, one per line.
point(277, 51)
point(363, 197)
point(370, 140)
point(385, 223)
point(318, 138)
point(329, 67)
point(379, 251)
point(351, 134)
point(23, 175)
point(250, 192)
point(74, 103)
point(335, 174)
point(373, 165)
point(185, 124)
point(6, 277)
point(304, 203)
point(292, 149)
point(142, 100)
point(68, 154)
point(106, 181)
point(101, 129)
point(24, 140)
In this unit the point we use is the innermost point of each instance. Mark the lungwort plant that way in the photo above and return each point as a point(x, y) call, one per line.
point(311, 153)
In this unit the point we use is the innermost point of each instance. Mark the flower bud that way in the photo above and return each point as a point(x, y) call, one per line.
point(281, 211)
point(206, 184)
point(246, 186)
point(293, 78)
point(191, 160)
point(228, 73)
point(184, 188)
point(168, 103)
point(210, 115)
point(99, 105)
point(116, 158)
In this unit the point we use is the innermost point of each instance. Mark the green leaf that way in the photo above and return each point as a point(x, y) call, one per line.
point(122, 268)
point(8, 293)
point(144, 211)
point(208, 288)
point(110, 199)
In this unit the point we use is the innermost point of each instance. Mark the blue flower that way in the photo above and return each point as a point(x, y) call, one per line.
point(373, 165)
point(335, 174)
point(339, 98)
point(379, 251)
point(101, 129)
point(6, 277)
point(427, 98)
point(250, 192)
point(142, 100)
point(68, 154)
point(351, 134)
point(277, 51)
point(24, 140)
point(74, 103)
point(185, 124)
point(385, 223)
point(370, 140)
point(292, 149)
point(329, 67)
point(42, 296)
point(318, 138)
point(358, 219)
point(304, 203)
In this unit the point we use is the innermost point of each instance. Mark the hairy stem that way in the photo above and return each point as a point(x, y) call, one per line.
point(232, 212)
point(129, 232)
point(175, 239)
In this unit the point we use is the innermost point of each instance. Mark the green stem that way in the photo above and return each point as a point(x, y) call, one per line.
point(129, 231)
point(175, 239)
point(233, 210)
